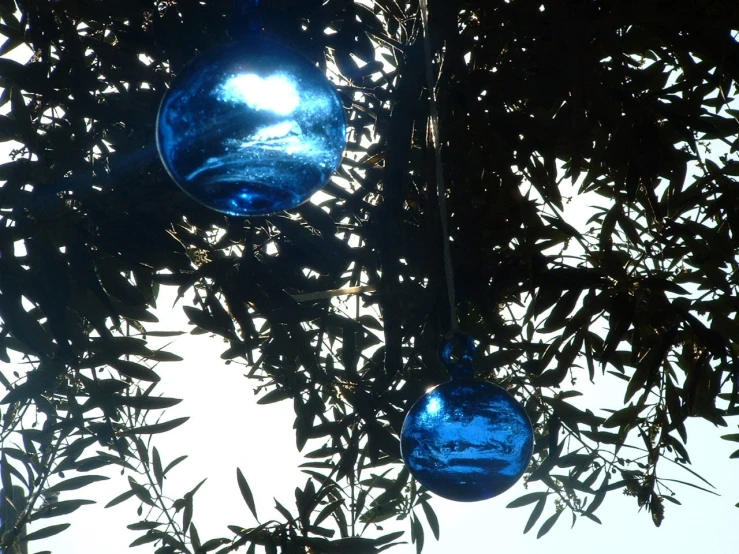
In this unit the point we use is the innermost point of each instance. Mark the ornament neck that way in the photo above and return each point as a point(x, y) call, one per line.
point(457, 354)
point(246, 19)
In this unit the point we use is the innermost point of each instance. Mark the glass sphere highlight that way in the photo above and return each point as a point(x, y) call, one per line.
point(251, 128)
point(466, 440)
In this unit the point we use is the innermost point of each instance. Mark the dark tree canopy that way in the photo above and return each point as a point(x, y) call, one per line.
point(629, 100)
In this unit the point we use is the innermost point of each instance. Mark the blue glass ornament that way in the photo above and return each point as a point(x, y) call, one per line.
point(466, 439)
point(251, 128)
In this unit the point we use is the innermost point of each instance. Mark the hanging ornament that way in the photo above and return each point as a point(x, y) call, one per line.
point(251, 128)
point(466, 439)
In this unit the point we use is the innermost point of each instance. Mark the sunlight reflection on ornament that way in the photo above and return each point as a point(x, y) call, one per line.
point(433, 406)
point(252, 128)
point(466, 439)
point(276, 93)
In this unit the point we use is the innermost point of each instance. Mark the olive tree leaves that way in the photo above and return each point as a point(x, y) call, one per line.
point(641, 318)
point(622, 102)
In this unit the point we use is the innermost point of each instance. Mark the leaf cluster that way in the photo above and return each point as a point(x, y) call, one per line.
point(632, 103)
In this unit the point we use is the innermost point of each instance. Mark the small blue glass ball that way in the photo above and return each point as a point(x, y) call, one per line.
point(467, 440)
point(251, 128)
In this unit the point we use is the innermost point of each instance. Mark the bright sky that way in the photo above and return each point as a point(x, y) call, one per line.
point(228, 430)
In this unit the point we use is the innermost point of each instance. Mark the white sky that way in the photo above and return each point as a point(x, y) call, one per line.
point(228, 430)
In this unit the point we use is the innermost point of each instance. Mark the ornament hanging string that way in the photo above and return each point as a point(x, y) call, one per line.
point(440, 186)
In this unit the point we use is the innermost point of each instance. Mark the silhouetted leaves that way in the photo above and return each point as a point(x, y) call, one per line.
point(633, 105)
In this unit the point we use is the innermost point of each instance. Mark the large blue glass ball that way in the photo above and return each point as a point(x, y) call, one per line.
point(467, 440)
point(251, 128)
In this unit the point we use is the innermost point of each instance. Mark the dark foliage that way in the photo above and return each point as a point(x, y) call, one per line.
point(629, 100)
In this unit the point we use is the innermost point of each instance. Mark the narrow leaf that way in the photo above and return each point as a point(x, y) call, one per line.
point(527, 499)
point(284, 511)
point(194, 537)
point(134, 370)
point(147, 402)
point(144, 539)
point(535, 514)
point(212, 544)
point(120, 498)
point(330, 508)
point(417, 533)
point(246, 493)
point(548, 524)
point(157, 427)
point(173, 463)
point(158, 473)
point(61, 508)
point(274, 396)
point(141, 492)
point(431, 518)
point(187, 512)
point(690, 485)
point(46, 532)
point(162, 356)
point(143, 525)
point(390, 537)
point(76, 483)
